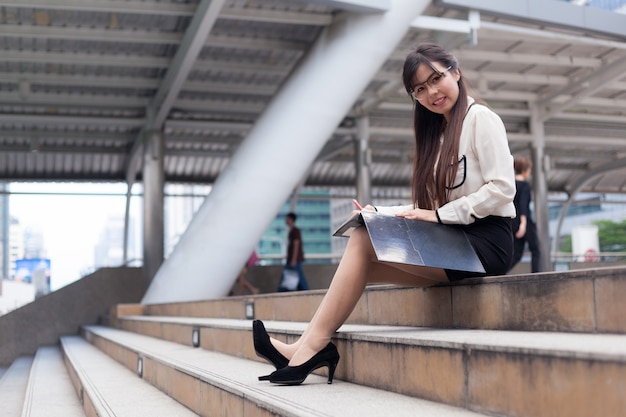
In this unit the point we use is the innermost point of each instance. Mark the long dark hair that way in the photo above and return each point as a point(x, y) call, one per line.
point(432, 191)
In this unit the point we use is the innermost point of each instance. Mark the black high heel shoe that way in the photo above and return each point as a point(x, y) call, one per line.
point(264, 348)
point(294, 375)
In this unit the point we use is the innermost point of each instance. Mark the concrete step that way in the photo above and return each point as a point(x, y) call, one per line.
point(511, 373)
point(215, 384)
point(50, 392)
point(573, 301)
point(13, 387)
point(108, 389)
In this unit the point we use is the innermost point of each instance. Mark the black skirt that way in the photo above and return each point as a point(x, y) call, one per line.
point(492, 239)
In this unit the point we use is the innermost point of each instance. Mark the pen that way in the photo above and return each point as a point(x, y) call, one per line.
point(356, 203)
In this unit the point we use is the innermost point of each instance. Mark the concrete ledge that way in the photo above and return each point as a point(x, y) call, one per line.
point(574, 301)
point(110, 389)
point(13, 386)
point(62, 312)
point(585, 300)
point(457, 367)
point(121, 310)
point(50, 392)
point(211, 383)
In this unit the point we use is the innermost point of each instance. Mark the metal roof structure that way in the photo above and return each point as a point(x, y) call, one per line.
point(82, 80)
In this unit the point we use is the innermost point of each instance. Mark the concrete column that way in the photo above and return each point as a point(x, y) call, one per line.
point(540, 188)
point(278, 152)
point(126, 222)
point(153, 179)
point(363, 162)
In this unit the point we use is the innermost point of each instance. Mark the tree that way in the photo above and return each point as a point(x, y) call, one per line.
point(612, 235)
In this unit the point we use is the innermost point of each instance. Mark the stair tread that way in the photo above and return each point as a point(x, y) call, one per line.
point(312, 398)
point(114, 389)
point(597, 346)
point(571, 301)
point(50, 392)
point(13, 386)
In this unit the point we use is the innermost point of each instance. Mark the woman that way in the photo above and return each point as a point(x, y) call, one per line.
point(463, 175)
point(524, 227)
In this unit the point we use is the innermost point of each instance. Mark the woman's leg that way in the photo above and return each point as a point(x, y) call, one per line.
point(249, 286)
point(518, 250)
point(358, 267)
point(240, 283)
point(533, 246)
point(303, 284)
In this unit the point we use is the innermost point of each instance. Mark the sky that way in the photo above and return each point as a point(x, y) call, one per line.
point(71, 224)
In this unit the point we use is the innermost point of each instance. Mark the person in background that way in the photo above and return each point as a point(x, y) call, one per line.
point(524, 227)
point(242, 281)
point(462, 177)
point(295, 254)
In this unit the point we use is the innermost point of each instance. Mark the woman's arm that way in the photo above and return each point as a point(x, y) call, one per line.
point(490, 185)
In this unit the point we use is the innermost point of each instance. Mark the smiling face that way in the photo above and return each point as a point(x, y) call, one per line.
point(438, 87)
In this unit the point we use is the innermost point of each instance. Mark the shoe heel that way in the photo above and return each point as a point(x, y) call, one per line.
point(331, 371)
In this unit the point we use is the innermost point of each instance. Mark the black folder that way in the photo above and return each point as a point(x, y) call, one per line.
point(415, 242)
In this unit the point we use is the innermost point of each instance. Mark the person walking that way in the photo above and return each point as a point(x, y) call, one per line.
point(462, 176)
point(295, 257)
point(242, 281)
point(524, 227)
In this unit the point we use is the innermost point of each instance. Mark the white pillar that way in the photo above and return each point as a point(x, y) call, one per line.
point(153, 180)
point(363, 162)
point(540, 188)
point(278, 152)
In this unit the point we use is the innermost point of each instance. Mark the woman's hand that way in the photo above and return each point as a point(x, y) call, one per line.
point(366, 208)
point(419, 214)
point(521, 231)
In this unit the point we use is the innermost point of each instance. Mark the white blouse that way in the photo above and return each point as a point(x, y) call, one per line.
point(485, 180)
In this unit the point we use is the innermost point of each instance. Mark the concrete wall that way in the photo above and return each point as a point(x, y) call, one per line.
point(88, 300)
point(62, 312)
point(266, 278)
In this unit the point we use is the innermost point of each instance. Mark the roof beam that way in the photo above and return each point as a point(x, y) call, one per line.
point(171, 9)
point(88, 150)
point(445, 24)
point(74, 80)
point(522, 78)
point(126, 61)
point(195, 36)
point(271, 16)
point(106, 6)
point(590, 84)
point(58, 100)
point(199, 28)
point(540, 35)
point(221, 106)
point(69, 121)
point(202, 127)
point(142, 37)
point(474, 55)
point(62, 58)
point(548, 12)
point(77, 136)
point(360, 6)
point(90, 34)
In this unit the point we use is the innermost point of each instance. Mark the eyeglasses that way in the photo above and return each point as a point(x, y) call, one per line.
point(419, 90)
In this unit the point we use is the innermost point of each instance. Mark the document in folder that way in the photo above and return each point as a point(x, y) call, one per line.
point(415, 242)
